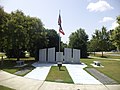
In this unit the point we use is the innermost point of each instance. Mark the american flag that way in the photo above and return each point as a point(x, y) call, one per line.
point(60, 27)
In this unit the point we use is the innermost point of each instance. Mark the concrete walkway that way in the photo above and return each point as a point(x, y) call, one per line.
point(19, 83)
point(79, 75)
point(22, 83)
point(101, 77)
point(40, 72)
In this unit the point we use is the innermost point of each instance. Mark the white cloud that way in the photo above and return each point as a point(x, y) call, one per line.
point(99, 6)
point(114, 25)
point(106, 19)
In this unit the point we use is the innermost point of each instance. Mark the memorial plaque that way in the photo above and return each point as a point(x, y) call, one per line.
point(67, 55)
point(51, 55)
point(76, 56)
point(42, 55)
point(59, 56)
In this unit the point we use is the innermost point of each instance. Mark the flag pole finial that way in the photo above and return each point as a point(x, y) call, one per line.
point(59, 11)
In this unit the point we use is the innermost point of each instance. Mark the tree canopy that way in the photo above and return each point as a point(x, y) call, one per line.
point(100, 40)
point(78, 40)
point(19, 32)
point(115, 35)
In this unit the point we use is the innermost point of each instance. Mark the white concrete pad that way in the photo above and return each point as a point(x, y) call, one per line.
point(79, 75)
point(40, 72)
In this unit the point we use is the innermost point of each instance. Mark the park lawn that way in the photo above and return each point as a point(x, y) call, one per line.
point(5, 88)
point(105, 56)
point(111, 67)
point(1, 54)
point(115, 53)
point(62, 76)
point(8, 66)
point(30, 58)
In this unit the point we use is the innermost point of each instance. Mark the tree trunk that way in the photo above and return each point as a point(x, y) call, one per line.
point(94, 53)
point(102, 53)
point(18, 55)
point(37, 54)
point(2, 62)
point(118, 50)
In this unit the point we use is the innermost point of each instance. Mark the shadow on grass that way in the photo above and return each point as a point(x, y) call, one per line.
point(5, 88)
point(61, 70)
point(103, 56)
point(9, 66)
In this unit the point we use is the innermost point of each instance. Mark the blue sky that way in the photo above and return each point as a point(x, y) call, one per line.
point(75, 14)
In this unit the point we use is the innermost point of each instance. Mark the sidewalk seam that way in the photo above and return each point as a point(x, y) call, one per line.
point(7, 79)
point(41, 85)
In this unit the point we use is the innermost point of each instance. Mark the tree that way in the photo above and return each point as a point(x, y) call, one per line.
point(110, 44)
point(53, 38)
point(3, 27)
point(37, 36)
point(19, 32)
point(104, 40)
point(78, 40)
point(63, 45)
point(93, 45)
point(17, 38)
point(100, 40)
point(115, 35)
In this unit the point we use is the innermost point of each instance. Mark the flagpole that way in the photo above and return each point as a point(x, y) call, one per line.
point(59, 35)
point(60, 29)
point(59, 41)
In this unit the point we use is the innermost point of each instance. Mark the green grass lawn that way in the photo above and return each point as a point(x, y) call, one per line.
point(9, 66)
point(106, 56)
point(30, 58)
point(5, 88)
point(2, 54)
point(115, 53)
point(59, 76)
point(111, 67)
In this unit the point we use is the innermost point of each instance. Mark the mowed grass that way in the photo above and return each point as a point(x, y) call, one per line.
point(25, 59)
point(59, 76)
point(111, 67)
point(9, 66)
point(5, 88)
point(106, 56)
point(2, 54)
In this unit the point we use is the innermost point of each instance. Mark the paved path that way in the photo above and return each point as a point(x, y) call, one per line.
point(79, 75)
point(104, 58)
point(40, 72)
point(101, 77)
point(19, 83)
point(76, 72)
point(22, 83)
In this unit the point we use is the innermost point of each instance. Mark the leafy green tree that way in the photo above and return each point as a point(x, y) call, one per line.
point(53, 38)
point(63, 45)
point(20, 32)
point(3, 27)
point(37, 36)
point(100, 40)
point(115, 36)
point(110, 44)
point(78, 40)
point(93, 45)
point(17, 35)
point(104, 40)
